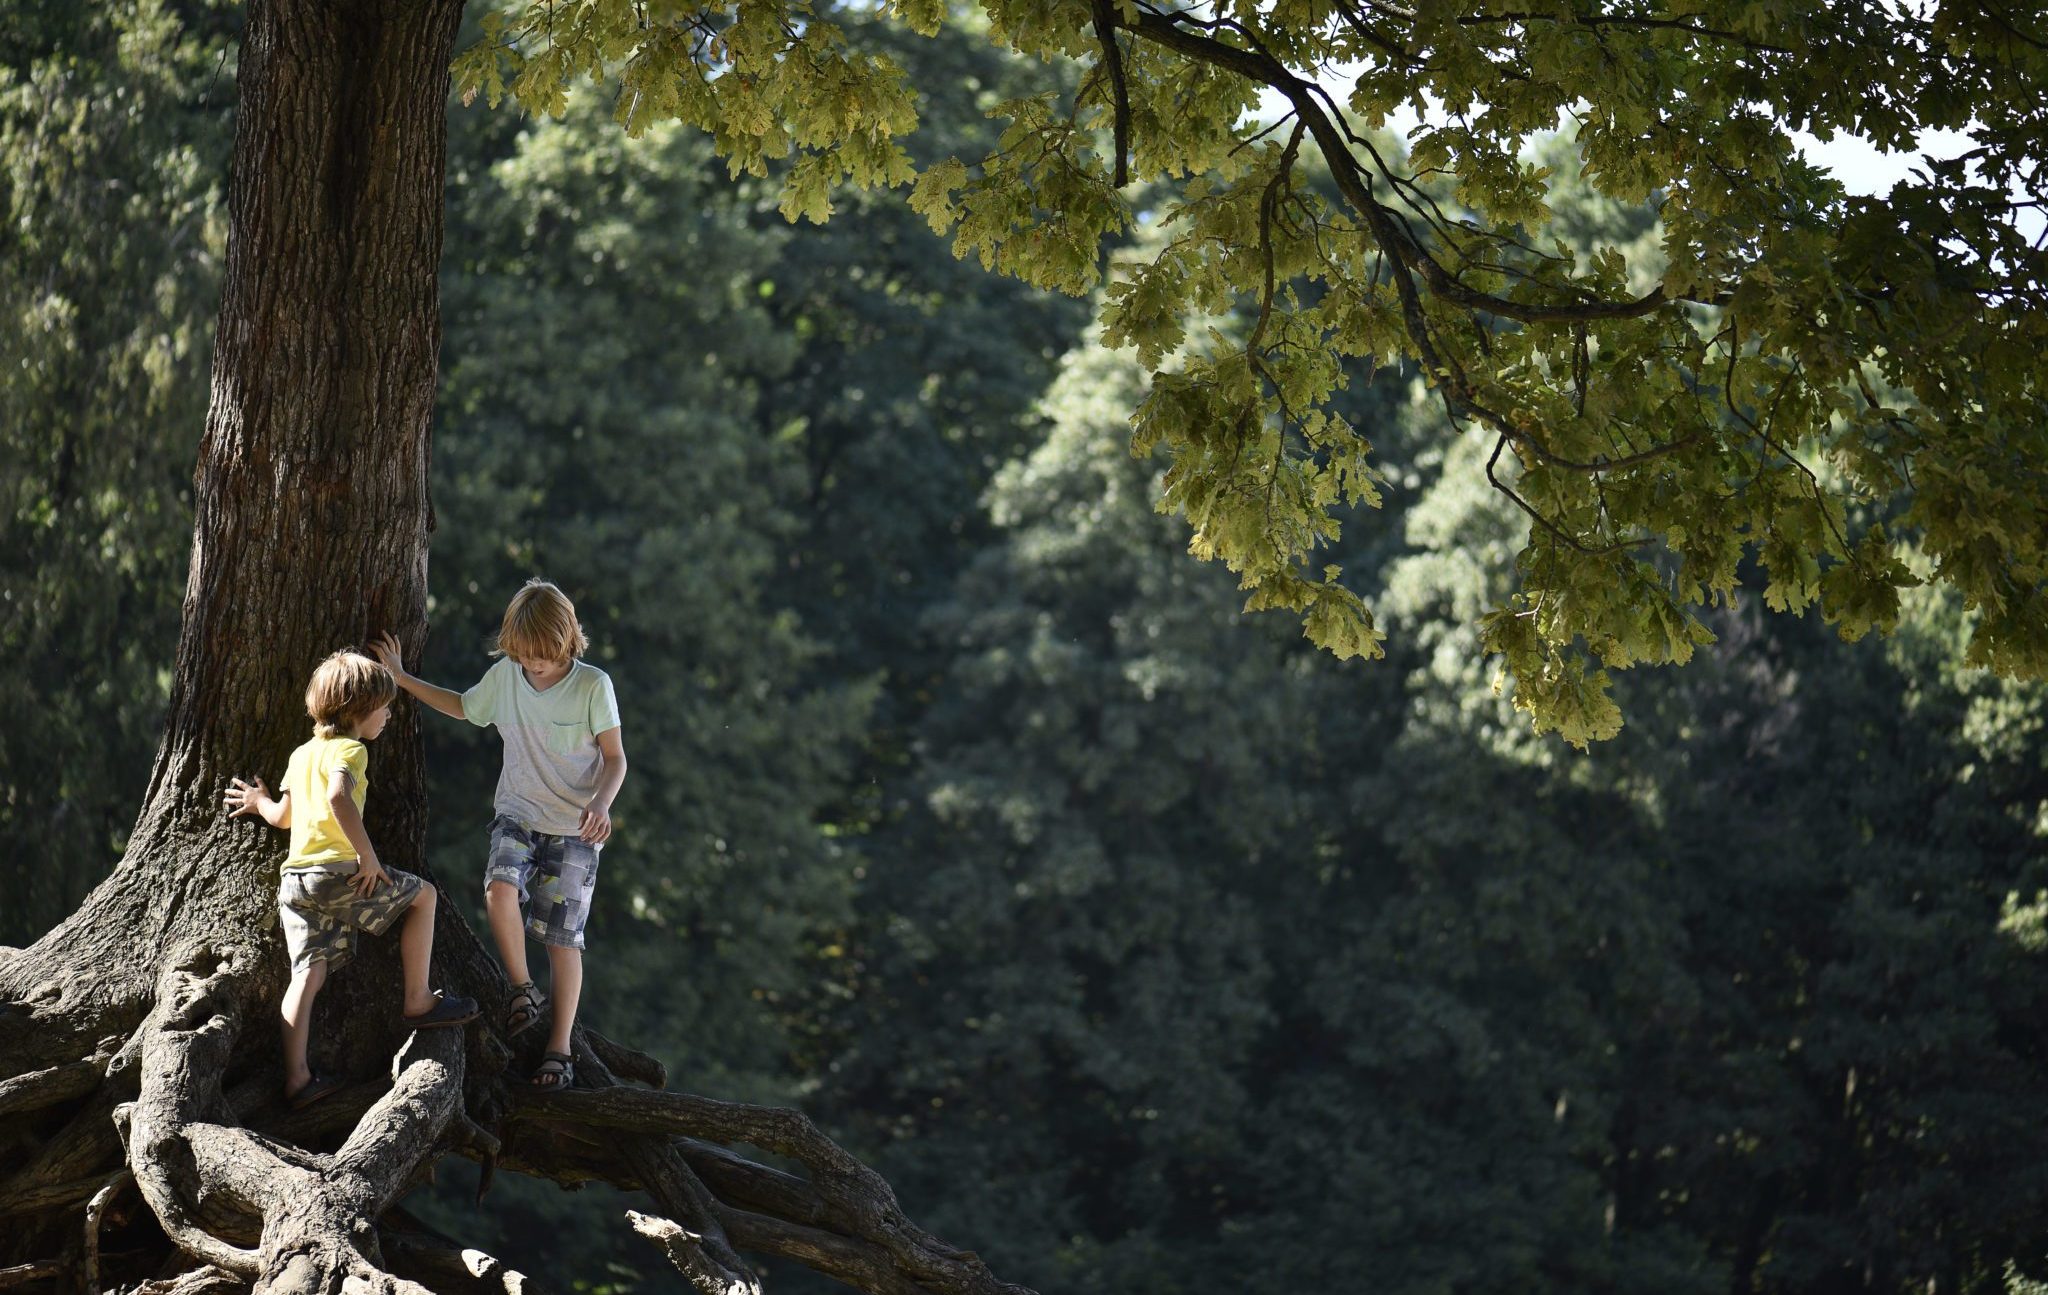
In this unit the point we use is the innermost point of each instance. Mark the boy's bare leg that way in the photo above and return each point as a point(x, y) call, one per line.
point(565, 983)
point(296, 1013)
point(508, 928)
point(416, 951)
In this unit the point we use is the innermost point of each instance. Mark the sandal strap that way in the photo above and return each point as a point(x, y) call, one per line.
point(556, 1071)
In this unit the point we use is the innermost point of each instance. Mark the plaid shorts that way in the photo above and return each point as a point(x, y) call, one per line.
point(555, 876)
point(321, 912)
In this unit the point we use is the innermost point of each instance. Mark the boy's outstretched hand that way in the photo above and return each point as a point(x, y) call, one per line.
point(243, 798)
point(388, 653)
point(391, 656)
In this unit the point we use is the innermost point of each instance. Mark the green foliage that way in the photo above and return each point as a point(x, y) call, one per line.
point(113, 131)
point(1184, 936)
point(1661, 411)
point(766, 80)
point(1131, 936)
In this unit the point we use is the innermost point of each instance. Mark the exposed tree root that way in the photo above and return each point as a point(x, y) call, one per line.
point(862, 1234)
point(625, 1062)
point(419, 1253)
point(859, 1264)
point(22, 1274)
point(187, 1110)
point(197, 1281)
point(95, 1212)
point(685, 1249)
point(57, 1084)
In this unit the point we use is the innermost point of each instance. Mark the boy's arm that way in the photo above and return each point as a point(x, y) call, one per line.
point(246, 798)
point(597, 815)
point(369, 873)
point(445, 700)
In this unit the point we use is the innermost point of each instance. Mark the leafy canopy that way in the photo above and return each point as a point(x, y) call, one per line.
point(1834, 397)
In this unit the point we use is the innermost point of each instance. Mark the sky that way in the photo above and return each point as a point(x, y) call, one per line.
point(1861, 166)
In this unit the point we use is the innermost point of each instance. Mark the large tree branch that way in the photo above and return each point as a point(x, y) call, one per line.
point(1264, 69)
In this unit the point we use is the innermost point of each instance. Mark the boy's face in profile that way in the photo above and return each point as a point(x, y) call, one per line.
point(373, 724)
point(541, 672)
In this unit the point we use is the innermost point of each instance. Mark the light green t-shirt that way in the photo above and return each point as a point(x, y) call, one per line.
point(316, 833)
point(552, 764)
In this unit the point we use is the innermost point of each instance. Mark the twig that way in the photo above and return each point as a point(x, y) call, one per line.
point(1113, 63)
point(89, 1261)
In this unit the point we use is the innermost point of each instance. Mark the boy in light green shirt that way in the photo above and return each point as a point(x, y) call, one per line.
point(564, 762)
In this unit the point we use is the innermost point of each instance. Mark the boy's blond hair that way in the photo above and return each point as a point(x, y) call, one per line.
point(540, 622)
point(347, 688)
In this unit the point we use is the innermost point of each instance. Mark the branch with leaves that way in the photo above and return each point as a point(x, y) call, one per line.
point(1660, 463)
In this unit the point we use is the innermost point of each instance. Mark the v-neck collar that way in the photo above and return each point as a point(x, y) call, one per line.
point(520, 670)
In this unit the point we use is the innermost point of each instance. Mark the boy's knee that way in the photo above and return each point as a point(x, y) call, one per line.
point(426, 895)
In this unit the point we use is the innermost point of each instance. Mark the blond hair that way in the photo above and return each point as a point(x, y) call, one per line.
point(347, 688)
point(540, 623)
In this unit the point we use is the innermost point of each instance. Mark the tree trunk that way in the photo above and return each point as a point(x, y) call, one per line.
point(311, 491)
point(139, 1081)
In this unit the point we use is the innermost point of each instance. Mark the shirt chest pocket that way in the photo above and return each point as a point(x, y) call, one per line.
point(564, 739)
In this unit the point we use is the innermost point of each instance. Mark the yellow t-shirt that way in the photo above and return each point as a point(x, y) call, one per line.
point(316, 833)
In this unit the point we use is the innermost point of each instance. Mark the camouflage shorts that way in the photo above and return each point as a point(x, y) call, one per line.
point(321, 911)
point(556, 876)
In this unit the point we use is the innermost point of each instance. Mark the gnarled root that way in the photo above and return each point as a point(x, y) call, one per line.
point(226, 1174)
point(845, 1222)
point(216, 1188)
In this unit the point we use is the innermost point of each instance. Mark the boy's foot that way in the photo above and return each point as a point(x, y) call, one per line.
point(311, 1091)
point(556, 1072)
point(448, 1009)
point(523, 1007)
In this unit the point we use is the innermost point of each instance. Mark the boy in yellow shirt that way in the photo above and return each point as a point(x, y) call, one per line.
point(332, 883)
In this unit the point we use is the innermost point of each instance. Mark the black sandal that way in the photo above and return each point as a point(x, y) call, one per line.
point(522, 1008)
point(557, 1071)
point(448, 1010)
point(313, 1090)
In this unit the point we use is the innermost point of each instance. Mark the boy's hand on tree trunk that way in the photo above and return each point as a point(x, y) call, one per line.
point(389, 654)
point(245, 798)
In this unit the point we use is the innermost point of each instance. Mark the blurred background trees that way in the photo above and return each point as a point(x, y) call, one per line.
point(1130, 937)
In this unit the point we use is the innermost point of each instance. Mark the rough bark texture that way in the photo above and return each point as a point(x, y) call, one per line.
point(144, 1142)
point(311, 493)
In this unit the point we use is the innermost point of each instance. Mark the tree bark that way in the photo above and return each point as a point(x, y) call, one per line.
point(312, 515)
point(139, 1038)
point(312, 522)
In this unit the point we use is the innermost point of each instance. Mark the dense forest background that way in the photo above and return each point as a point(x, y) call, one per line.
point(1141, 945)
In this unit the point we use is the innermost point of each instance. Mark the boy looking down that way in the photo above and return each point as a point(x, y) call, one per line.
point(564, 762)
